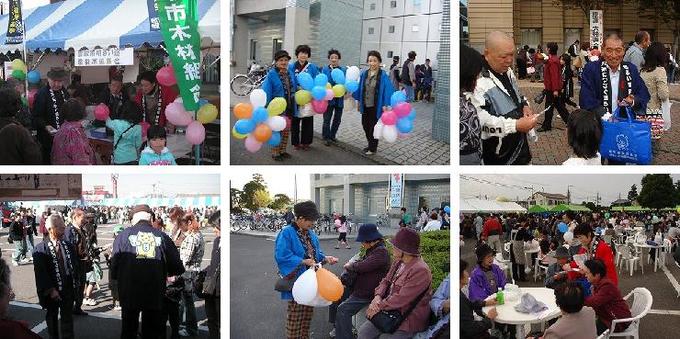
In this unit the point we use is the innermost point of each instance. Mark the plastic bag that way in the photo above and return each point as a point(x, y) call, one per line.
point(666, 113)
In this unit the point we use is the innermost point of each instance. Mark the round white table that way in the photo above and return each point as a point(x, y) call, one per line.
point(647, 246)
point(508, 315)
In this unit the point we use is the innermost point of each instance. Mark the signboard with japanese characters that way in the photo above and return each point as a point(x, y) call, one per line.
point(596, 29)
point(154, 20)
point(179, 26)
point(105, 57)
point(24, 187)
point(15, 25)
point(396, 190)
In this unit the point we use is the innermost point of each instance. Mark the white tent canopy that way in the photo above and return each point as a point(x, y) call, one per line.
point(489, 206)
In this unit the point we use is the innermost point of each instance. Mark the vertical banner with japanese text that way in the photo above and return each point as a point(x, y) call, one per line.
point(596, 29)
point(396, 189)
point(179, 27)
point(15, 25)
point(154, 21)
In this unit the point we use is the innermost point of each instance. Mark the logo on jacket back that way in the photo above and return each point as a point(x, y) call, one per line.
point(145, 244)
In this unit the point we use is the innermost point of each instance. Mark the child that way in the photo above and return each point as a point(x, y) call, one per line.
point(341, 227)
point(584, 131)
point(127, 135)
point(156, 154)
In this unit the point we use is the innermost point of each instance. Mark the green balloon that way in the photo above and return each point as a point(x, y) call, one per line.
point(18, 74)
point(24, 101)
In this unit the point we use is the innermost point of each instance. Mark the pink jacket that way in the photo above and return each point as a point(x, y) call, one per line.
point(409, 284)
point(71, 146)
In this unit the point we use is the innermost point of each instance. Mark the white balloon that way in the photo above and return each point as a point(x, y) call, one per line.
point(568, 237)
point(277, 123)
point(258, 98)
point(319, 301)
point(378, 130)
point(353, 73)
point(305, 288)
point(390, 133)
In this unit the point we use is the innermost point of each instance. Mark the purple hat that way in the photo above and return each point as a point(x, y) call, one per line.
point(407, 240)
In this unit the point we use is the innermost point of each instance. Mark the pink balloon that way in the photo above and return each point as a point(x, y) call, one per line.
point(145, 127)
point(101, 112)
point(195, 133)
point(402, 109)
point(329, 94)
point(319, 106)
point(31, 96)
point(252, 145)
point(166, 76)
point(389, 118)
point(176, 114)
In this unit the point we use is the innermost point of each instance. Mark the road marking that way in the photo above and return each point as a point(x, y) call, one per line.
point(39, 328)
point(665, 312)
point(671, 278)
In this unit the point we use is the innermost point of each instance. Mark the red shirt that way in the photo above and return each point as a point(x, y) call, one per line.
point(552, 80)
point(608, 304)
point(604, 253)
point(491, 227)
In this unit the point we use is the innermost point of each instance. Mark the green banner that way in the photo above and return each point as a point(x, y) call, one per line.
point(179, 26)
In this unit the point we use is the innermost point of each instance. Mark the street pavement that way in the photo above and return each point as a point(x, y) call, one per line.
point(663, 321)
point(102, 321)
point(552, 147)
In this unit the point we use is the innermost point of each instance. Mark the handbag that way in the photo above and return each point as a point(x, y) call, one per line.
point(389, 321)
point(627, 140)
point(285, 284)
point(538, 99)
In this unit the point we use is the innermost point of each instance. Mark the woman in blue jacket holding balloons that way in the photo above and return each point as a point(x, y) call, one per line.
point(302, 128)
point(281, 82)
point(336, 76)
point(374, 93)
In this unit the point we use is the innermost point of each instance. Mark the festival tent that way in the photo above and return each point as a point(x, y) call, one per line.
point(167, 202)
point(539, 209)
point(573, 208)
point(630, 209)
point(490, 206)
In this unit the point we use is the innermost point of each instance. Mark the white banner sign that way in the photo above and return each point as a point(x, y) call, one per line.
point(23, 187)
point(596, 29)
point(105, 57)
point(396, 190)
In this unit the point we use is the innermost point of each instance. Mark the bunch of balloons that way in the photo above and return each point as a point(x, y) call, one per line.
point(257, 124)
point(318, 289)
point(319, 91)
point(447, 210)
point(166, 76)
point(178, 116)
point(397, 122)
point(19, 69)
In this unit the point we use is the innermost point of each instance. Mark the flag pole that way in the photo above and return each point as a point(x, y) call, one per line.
point(23, 44)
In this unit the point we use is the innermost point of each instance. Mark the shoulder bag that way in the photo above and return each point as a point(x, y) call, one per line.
point(389, 321)
point(119, 139)
point(285, 284)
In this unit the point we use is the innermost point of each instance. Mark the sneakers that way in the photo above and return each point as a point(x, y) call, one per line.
point(332, 334)
point(89, 302)
point(117, 308)
point(327, 142)
point(369, 152)
point(14, 263)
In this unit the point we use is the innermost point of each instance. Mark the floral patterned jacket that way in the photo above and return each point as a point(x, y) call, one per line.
point(71, 146)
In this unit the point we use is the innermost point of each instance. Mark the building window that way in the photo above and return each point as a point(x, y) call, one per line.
point(390, 54)
point(371, 30)
point(372, 7)
point(253, 50)
point(391, 29)
point(277, 45)
point(415, 28)
point(393, 4)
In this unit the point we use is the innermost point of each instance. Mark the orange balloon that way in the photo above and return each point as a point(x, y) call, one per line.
point(243, 110)
point(262, 133)
point(330, 287)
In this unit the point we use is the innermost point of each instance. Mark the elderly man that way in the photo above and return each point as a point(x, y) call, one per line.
point(75, 236)
point(503, 112)
point(47, 114)
point(636, 53)
point(54, 265)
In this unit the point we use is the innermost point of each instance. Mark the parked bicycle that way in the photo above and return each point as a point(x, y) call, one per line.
point(243, 84)
point(383, 220)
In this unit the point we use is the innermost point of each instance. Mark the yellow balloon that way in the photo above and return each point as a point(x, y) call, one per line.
point(303, 97)
point(338, 91)
point(276, 106)
point(19, 64)
point(207, 113)
point(237, 135)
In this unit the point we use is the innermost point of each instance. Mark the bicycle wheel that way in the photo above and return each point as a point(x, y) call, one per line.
point(241, 85)
point(235, 226)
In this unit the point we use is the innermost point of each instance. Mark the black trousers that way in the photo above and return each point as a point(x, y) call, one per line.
point(65, 306)
point(212, 311)
point(555, 102)
point(302, 131)
point(368, 121)
point(152, 323)
point(518, 272)
point(171, 314)
point(78, 295)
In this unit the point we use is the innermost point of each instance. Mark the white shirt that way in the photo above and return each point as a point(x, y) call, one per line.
point(574, 161)
point(614, 81)
point(433, 225)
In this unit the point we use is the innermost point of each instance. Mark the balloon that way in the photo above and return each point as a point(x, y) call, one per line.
point(305, 80)
point(329, 94)
point(207, 113)
point(402, 109)
point(305, 287)
point(412, 115)
point(177, 115)
point(195, 133)
point(447, 209)
point(33, 77)
point(244, 126)
point(303, 97)
point(24, 101)
point(321, 80)
point(237, 135)
point(388, 118)
point(339, 91)
point(404, 125)
point(319, 301)
point(18, 74)
point(378, 129)
point(101, 112)
point(202, 102)
point(252, 145)
point(390, 133)
point(275, 140)
point(330, 287)
point(260, 115)
point(319, 106)
point(338, 76)
point(318, 93)
point(145, 127)
point(262, 133)
point(18, 64)
point(166, 76)
point(397, 97)
point(277, 123)
point(352, 86)
point(179, 99)
point(276, 106)
point(258, 98)
point(243, 110)
point(568, 237)
point(353, 74)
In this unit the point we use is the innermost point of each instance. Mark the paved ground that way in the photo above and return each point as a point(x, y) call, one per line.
point(552, 148)
point(417, 149)
point(102, 322)
point(664, 319)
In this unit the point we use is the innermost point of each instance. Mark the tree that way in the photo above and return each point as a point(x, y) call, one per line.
point(633, 193)
point(591, 205)
point(235, 201)
point(586, 5)
point(280, 203)
point(657, 191)
point(261, 199)
point(249, 189)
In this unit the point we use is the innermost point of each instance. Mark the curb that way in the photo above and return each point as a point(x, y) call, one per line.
point(273, 235)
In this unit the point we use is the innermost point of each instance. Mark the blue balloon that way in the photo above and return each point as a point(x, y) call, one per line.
point(412, 116)
point(202, 102)
point(397, 97)
point(33, 77)
point(275, 140)
point(260, 115)
point(319, 92)
point(321, 80)
point(338, 76)
point(305, 80)
point(352, 86)
point(244, 126)
point(404, 125)
point(447, 209)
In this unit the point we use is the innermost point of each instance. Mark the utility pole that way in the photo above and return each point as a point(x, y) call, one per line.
point(114, 183)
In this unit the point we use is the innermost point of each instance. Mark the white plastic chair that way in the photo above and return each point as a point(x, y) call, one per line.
point(506, 248)
point(665, 251)
point(627, 255)
point(642, 303)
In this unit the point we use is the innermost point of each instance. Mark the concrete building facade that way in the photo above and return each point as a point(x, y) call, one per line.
point(547, 199)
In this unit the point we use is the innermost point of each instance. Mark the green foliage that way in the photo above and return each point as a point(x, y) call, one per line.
point(235, 200)
point(249, 190)
point(280, 203)
point(261, 199)
point(657, 191)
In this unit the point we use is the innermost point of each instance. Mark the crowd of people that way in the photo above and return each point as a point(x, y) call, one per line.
point(497, 122)
point(426, 220)
point(50, 126)
point(154, 265)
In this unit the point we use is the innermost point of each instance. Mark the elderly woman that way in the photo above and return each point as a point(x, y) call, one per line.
point(576, 321)
point(297, 247)
point(71, 145)
point(18, 146)
point(191, 253)
point(405, 288)
point(487, 277)
point(281, 82)
point(302, 128)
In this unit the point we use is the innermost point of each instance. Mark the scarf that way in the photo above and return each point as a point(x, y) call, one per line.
point(158, 107)
point(625, 84)
point(285, 80)
point(55, 262)
point(307, 242)
point(56, 107)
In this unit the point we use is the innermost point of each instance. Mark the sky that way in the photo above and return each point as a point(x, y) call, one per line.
point(136, 185)
point(278, 183)
point(584, 186)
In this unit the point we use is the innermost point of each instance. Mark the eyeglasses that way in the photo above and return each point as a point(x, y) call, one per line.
point(614, 50)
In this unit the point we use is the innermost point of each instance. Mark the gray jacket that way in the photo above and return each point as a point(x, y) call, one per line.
point(635, 55)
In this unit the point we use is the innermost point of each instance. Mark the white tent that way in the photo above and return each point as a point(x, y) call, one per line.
point(489, 206)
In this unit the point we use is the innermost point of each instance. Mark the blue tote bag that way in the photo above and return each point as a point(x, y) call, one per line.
point(627, 140)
